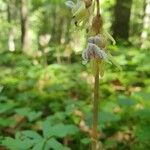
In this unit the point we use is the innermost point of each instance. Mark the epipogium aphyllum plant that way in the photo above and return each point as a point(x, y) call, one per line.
point(85, 17)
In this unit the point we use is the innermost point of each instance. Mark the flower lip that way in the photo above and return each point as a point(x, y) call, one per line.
point(93, 51)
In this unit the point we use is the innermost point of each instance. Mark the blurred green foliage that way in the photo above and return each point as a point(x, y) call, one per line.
point(26, 95)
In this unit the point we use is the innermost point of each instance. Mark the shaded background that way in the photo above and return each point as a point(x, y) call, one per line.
point(43, 83)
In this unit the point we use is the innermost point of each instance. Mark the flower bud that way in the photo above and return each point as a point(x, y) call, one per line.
point(97, 24)
point(88, 3)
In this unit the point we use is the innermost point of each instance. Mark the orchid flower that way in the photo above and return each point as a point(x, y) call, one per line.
point(96, 49)
point(93, 51)
point(80, 12)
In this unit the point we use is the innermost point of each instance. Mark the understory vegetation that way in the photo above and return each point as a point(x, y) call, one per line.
point(46, 92)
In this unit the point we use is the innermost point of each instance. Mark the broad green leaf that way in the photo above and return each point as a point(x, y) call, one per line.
point(23, 111)
point(31, 134)
point(62, 130)
point(39, 146)
point(34, 115)
point(86, 141)
point(107, 117)
point(4, 107)
point(15, 144)
point(47, 129)
point(27, 112)
point(55, 145)
point(104, 117)
point(10, 143)
point(59, 130)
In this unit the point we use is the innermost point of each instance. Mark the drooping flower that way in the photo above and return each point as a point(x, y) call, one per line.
point(93, 51)
point(96, 48)
point(81, 10)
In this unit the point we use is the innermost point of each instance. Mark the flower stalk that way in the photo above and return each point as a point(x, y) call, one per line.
point(95, 106)
point(98, 7)
point(96, 88)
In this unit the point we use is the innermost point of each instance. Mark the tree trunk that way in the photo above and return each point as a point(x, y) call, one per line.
point(59, 30)
point(67, 34)
point(121, 22)
point(54, 25)
point(8, 12)
point(146, 25)
point(11, 36)
point(25, 27)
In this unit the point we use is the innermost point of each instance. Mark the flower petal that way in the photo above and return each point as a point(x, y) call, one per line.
point(70, 4)
point(112, 60)
point(93, 51)
point(110, 37)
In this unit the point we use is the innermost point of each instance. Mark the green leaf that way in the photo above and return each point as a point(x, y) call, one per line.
point(62, 130)
point(59, 130)
point(16, 144)
point(6, 122)
point(10, 143)
point(126, 102)
point(39, 146)
point(55, 145)
point(144, 114)
point(34, 115)
point(86, 141)
point(31, 134)
point(107, 117)
point(23, 111)
point(4, 107)
point(104, 117)
point(27, 112)
point(46, 128)
point(142, 133)
point(142, 95)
